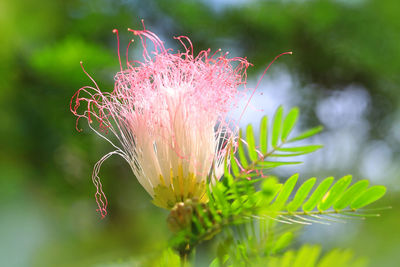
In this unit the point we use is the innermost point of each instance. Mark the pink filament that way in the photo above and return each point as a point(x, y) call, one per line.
point(258, 83)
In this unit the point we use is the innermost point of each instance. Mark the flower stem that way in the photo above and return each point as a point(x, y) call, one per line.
point(184, 254)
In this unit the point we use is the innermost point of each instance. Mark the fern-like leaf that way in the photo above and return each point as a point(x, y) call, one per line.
point(257, 157)
point(329, 197)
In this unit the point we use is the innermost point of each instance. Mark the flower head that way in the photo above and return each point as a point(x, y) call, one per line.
point(168, 113)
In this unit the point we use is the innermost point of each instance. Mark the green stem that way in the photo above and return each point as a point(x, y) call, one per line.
point(184, 255)
point(183, 259)
point(264, 156)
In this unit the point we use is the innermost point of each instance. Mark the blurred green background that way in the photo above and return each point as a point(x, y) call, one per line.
point(344, 74)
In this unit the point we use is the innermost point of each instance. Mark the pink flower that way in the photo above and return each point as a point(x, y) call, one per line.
point(168, 114)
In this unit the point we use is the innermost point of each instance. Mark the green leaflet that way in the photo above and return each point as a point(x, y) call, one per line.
point(295, 151)
point(220, 199)
point(334, 193)
point(269, 189)
point(166, 258)
point(241, 152)
point(318, 194)
point(287, 259)
point(307, 134)
point(251, 143)
point(264, 135)
point(226, 165)
point(283, 241)
point(277, 127)
point(301, 194)
point(289, 123)
point(352, 193)
point(273, 164)
point(367, 197)
point(285, 192)
point(307, 256)
point(305, 149)
point(234, 165)
point(215, 214)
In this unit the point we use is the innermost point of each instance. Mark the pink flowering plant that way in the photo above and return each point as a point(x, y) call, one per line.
point(167, 116)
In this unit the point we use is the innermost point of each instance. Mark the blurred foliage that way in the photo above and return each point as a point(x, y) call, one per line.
point(47, 206)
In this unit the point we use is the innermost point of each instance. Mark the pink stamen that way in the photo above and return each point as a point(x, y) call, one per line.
point(90, 77)
point(127, 53)
point(259, 81)
point(119, 54)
